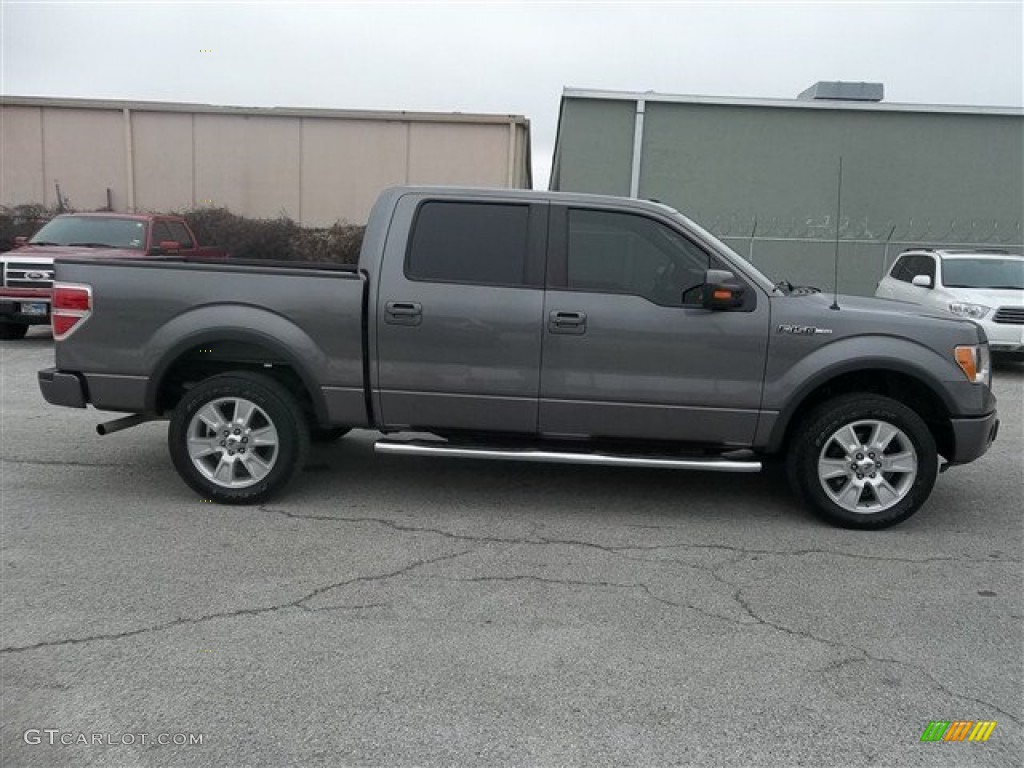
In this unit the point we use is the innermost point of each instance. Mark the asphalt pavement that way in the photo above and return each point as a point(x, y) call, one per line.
point(395, 611)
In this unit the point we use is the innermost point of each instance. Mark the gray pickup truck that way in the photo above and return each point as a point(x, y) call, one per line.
point(527, 326)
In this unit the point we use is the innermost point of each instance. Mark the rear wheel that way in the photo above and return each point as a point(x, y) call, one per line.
point(863, 461)
point(13, 330)
point(238, 437)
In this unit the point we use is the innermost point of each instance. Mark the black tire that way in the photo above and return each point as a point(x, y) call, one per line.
point(13, 330)
point(249, 472)
point(327, 434)
point(867, 496)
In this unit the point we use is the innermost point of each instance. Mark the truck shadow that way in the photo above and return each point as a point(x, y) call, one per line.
point(349, 472)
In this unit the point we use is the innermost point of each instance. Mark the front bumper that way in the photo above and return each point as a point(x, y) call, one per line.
point(972, 437)
point(61, 388)
point(1004, 337)
point(1007, 349)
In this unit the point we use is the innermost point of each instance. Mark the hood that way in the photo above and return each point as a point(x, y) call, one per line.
point(990, 297)
point(859, 316)
point(50, 252)
point(872, 306)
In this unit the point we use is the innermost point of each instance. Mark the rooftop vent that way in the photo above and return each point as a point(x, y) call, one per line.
point(840, 91)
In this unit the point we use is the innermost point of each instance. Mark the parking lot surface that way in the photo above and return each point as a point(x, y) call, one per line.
point(418, 611)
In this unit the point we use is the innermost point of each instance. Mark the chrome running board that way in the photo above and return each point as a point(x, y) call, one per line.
point(437, 448)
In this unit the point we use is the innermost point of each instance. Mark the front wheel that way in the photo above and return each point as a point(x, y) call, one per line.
point(863, 461)
point(238, 437)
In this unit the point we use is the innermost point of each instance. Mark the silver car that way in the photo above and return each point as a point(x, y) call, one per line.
point(984, 286)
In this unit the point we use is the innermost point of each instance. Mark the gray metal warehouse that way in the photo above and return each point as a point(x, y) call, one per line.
point(763, 174)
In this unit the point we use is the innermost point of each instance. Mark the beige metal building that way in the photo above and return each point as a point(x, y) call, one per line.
point(316, 166)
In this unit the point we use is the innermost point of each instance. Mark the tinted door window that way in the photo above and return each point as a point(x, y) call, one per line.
point(901, 269)
point(479, 243)
point(160, 233)
point(624, 253)
point(910, 266)
point(919, 264)
point(179, 232)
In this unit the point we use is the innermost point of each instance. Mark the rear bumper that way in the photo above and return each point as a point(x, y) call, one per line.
point(972, 437)
point(61, 388)
point(105, 392)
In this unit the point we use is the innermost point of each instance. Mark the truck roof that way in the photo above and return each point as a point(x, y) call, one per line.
point(117, 215)
point(531, 195)
point(535, 196)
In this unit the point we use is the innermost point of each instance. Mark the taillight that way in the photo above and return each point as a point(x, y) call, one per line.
point(72, 304)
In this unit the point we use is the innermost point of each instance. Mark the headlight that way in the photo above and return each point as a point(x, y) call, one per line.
point(976, 363)
point(970, 311)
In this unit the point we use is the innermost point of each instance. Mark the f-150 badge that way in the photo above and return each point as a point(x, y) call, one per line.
point(803, 330)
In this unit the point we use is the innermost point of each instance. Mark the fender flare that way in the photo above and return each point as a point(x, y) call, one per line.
point(281, 341)
point(870, 363)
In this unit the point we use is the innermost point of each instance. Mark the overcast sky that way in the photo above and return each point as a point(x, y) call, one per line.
point(505, 57)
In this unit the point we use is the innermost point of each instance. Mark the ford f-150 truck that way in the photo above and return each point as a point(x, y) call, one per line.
point(527, 326)
point(26, 273)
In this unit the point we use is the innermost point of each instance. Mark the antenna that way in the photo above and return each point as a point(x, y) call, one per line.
point(839, 209)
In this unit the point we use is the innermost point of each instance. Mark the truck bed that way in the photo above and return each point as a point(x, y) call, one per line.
point(151, 315)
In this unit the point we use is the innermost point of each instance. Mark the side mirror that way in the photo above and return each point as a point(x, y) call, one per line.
point(166, 246)
point(20, 242)
point(721, 290)
point(922, 281)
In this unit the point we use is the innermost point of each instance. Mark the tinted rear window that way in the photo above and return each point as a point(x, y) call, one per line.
point(478, 243)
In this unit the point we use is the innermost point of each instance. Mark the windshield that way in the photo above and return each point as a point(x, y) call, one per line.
point(983, 273)
point(93, 231)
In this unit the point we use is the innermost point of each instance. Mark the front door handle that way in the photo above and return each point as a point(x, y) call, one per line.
point(403, 312)
point(571, 323)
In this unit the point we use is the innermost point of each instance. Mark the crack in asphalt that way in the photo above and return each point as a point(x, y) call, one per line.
point(737, 596)
point(602, 584)
point(737, 591)
point(804, 552)
point(744, 603)
point(297, 603)
point(327, 608)
point(756, 619)
point(618, 550)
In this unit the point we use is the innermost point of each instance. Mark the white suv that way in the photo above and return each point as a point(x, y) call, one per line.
point(984, 286)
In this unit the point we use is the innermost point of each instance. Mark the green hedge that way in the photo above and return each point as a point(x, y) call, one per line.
point(279, 238)
point(21, 221)
point(242, 237)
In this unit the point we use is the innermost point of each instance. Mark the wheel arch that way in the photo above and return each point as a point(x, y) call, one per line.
point(203, 354)
point(902, 383)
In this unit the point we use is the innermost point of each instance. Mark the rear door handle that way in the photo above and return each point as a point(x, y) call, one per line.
point(571, 323)
point(403, 312)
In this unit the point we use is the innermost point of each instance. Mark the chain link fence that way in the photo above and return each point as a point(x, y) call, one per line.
point(802, 249)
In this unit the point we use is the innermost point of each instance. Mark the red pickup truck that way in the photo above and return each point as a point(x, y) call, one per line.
point(26, 273)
